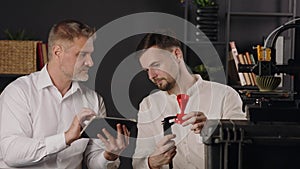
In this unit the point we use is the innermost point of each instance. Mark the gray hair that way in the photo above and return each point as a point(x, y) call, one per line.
point(66, 31)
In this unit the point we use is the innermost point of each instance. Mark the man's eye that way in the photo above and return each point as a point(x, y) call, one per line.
point(83, 54)
point(156, 65)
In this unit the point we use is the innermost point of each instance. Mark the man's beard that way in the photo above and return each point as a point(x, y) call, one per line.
point(166, 86)
point(82, 76)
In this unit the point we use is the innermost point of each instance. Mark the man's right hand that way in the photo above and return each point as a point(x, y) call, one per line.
point(73, 133)
point(164, 152)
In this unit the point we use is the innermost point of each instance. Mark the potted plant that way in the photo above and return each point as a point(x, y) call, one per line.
point(207, 18)
point(203, 70)
point(200, 69)
point(18, 35)
point(205, 3)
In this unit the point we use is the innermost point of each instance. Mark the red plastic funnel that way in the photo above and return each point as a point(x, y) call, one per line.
point(182, 100)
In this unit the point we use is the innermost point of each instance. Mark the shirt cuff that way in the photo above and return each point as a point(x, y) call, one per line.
point(55, 143)
point(103, 162)
point(146, 162)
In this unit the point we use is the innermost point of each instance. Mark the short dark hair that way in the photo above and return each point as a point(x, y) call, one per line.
point(162, 41)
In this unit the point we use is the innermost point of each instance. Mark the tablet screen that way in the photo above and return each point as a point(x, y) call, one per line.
point(96, 124)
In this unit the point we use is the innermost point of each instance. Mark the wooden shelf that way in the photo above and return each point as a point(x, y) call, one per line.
point(203, 43)
point(267, 14)
point(238, 87)
point(236, 17)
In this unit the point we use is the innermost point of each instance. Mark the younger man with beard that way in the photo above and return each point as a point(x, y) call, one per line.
point(162, 58)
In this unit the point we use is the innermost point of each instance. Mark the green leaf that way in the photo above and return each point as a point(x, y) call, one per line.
point(18, 35)
point(204, 3)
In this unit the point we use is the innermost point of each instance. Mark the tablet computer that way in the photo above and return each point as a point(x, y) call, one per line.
point(96, 124)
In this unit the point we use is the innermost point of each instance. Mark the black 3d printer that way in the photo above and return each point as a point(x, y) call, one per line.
point(270, 139)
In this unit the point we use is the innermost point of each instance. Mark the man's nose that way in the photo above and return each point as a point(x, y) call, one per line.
point(89, 61)
point(151, 73)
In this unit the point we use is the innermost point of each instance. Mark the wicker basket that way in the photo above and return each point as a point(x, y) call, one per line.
point(18, 57)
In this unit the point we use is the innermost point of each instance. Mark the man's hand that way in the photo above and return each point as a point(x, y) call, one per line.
point(197, 119)
point(115, 146)
point(73, 133)
point(164, 152)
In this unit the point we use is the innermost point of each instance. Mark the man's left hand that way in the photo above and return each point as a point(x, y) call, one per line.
point(114, 146)
point(197, 119)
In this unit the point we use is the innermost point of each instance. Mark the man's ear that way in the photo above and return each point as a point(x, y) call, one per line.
point(178, 53)
point(57, 50)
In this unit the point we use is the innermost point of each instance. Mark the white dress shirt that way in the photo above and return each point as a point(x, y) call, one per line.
point(216, 101)
point(33, 119)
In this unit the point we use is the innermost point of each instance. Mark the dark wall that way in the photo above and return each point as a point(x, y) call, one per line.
point(36, 18)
